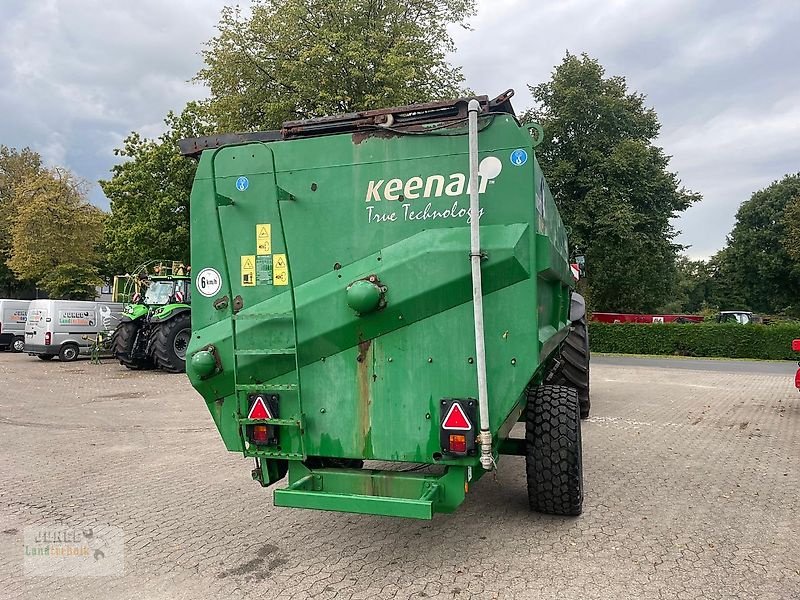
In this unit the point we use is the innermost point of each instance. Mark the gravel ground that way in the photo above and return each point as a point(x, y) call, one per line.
point(692, 491)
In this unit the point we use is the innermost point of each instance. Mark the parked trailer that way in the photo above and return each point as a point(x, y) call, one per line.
point(348, 308)
point(13, 314)
point(633, 318)
point(67, 328)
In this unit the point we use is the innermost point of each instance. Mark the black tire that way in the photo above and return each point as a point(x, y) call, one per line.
point(68, 352)
point(165, 341)
point(123, 341)
point(17, 344)
point(553, 460)
point(45, 356)
point(572, 365)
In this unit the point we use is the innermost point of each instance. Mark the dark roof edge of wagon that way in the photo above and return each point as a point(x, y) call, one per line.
point(412, 119)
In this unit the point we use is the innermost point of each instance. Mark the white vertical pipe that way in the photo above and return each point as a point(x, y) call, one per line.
point(485, 438)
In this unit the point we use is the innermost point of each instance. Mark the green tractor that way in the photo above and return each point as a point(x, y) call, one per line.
point(156, 324)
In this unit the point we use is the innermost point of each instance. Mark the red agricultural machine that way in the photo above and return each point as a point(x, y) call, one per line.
point(634, 318)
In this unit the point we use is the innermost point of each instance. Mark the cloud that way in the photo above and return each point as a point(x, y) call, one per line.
point(722, 76)
point(79, 75)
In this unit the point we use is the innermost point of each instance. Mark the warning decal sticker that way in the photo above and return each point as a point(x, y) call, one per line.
point(248, 270)
point(263, 239)
point(280, 270)
point(263, 270)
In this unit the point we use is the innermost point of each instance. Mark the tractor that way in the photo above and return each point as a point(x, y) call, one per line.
point(155, 327)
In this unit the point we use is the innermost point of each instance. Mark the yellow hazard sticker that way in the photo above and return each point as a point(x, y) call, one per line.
point(263, 239)
point(280, 270)
point(248, 269)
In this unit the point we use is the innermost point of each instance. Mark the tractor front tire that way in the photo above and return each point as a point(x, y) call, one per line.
point(169, 341)
point(572, 366)
point(122, 344)
point(553, 459)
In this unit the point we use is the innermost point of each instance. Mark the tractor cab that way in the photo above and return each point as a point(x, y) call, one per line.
point(161, 291)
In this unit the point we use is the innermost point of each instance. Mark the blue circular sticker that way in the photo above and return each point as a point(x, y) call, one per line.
point(242, 183)
point(519, 157)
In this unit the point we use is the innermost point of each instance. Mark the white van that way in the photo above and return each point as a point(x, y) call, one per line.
point(60, 327)
point(12, 324)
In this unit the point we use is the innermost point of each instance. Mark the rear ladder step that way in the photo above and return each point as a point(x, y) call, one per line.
point(266, 387)
point(265, 351)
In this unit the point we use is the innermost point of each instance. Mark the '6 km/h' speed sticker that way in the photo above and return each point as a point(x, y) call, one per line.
point(208, 282)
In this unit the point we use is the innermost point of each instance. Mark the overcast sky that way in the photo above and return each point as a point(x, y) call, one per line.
point(723, 75)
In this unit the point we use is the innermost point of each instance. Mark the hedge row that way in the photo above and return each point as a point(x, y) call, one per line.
point(728, 340)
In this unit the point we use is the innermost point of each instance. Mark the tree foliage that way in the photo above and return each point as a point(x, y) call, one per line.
point(16, 167)
point(297, 59)
point(760, 266)
point(694, 287)
point(149, 196)
point(54, 235)
point(791, 228)
point(283, 60)
point(611, 184)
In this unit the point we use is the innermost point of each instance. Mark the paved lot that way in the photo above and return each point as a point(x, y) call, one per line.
point(692, 491)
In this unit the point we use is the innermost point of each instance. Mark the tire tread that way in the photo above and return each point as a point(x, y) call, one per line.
point(572, 369)
point(553, 461)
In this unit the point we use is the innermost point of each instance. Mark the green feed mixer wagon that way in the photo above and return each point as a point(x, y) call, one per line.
point(380, 297)
point(155, 325)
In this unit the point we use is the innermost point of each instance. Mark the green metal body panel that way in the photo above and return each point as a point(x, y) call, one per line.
point(131, 312)
point(367, 385)
point(169, 311)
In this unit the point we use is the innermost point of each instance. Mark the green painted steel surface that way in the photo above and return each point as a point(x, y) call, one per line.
point(169, 310)
point(134, 311)
point(287, 226)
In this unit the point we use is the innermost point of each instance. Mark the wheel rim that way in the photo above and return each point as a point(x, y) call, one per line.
point(19, 345)
point(70, 353)
point(181, 342)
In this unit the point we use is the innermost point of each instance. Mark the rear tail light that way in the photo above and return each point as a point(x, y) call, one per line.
point(262, 407)
point(259, 434)
point(458, 444)
point(457, 430)
point(48, 337)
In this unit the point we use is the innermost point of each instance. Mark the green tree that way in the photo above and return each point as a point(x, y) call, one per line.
point(55, 234)
point(725, 293)
point(791, 228)
point(16, 168)
point(149, 196)
point(694, 286)
point(286, 60)
point(611, 184)
point(761, 264)
point(297, 59)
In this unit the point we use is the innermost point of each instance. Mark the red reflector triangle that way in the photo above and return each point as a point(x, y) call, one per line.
point(259, 410)
point(456, 419)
